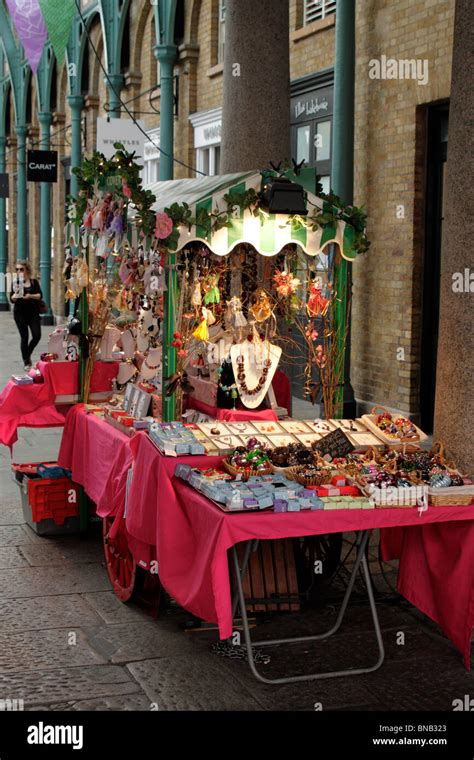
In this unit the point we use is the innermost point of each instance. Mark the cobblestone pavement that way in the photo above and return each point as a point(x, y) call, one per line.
point(67, 643)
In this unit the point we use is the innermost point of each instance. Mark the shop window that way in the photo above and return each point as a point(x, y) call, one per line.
point(221, 32)
point(313, 10)
point(208, 160)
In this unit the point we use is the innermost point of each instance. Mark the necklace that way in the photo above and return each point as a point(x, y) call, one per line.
point(261, 380)
point(151, 366)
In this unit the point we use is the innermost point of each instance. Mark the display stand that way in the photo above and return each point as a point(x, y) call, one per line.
point(361, 560)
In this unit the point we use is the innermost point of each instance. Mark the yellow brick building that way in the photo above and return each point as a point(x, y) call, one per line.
point(400, 140)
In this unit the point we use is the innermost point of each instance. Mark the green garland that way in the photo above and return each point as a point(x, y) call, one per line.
point(94, 173)
point(333, 211)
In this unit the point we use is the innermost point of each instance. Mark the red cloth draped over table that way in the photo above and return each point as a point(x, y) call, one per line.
point(34, 405)
point(99, 456)
point(436, 574)
point(192, 536)
point(231, 415)
point(189, 536)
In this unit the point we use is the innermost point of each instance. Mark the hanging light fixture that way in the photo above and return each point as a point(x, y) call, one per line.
point(281, 196)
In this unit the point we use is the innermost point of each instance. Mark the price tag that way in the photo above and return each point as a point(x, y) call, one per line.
point(334, 444)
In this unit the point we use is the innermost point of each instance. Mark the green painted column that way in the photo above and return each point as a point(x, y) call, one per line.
point(342, 179)
point(3, 235)
point(45, 222)
point(76, 104)
point(166, 55)
point(21, 196)
point(114, 87)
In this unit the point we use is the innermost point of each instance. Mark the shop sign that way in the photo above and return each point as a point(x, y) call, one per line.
point(42, 166)
point(312, 105)
point(4, 186)
point(123, 131)
point(110, 182)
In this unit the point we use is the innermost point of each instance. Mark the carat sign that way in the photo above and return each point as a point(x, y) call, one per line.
point(42, 166)
point(124, 131)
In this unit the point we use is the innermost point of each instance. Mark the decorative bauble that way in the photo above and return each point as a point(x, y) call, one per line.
point(440, 480)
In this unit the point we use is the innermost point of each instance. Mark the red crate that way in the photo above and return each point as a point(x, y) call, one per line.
point(53, 499)
point(29, 468)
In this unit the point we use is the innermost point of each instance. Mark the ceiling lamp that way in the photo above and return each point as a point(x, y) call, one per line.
point(281, 196)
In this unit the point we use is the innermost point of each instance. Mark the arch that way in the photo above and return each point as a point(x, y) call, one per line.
point(139, 34)
point(192, 36)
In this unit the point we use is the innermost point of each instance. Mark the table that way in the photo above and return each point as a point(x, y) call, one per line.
point(36, 405)
point(190, 537)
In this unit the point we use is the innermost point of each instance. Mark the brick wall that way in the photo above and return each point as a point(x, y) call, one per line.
point(388, 156)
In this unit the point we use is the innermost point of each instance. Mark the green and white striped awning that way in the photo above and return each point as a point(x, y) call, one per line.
point(268, 238)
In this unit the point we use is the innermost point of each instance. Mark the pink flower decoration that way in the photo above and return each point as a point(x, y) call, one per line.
point(163, 225)
point(182, 352)
point(126, 191)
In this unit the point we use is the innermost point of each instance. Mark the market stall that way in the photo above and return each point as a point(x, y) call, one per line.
point(204, 300)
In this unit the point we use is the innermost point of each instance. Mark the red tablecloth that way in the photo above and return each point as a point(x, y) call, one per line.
point(99, 456)
point(189, 536)
point(436, 574)
point(34, 405)
point(231, 415)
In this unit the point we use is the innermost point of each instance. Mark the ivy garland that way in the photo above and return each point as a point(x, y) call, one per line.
point(92, 177)
point(333, 211)
point(95, 171)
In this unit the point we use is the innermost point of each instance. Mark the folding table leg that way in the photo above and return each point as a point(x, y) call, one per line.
point(361, 559)
point(251, 546)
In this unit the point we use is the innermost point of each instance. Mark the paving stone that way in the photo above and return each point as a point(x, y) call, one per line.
point(48, 581)
point(15, 535)
point(424, 685)
point(191, 683)
point(35, 614)
point(42, 687)
point(138, 641)
point(10, 556)
point(112, 610)
point(57, 551)
point(128, 703)
point(47, 649)
point(11, 515)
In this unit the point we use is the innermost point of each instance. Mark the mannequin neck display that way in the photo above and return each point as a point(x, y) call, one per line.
point(129, 343)
point(126, 371)
point(254, 364)
point(151, 365)
point(109, 339)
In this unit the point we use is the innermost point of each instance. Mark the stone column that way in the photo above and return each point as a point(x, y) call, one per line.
point(454, 410)
point(256, 108)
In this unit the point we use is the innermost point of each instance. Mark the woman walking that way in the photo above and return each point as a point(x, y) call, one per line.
point(26, 296)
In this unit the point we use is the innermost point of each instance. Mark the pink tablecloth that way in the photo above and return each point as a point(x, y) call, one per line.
point(191, 538)
point(436, 574)
point(99, 456)
point(34, 405)
point(231, 415)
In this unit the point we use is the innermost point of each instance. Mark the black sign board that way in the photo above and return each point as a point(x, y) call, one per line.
point(4, 186)
point(42, 166)
point(334, 444)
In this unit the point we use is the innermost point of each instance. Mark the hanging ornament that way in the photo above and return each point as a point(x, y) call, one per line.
point(285, 283)
point(317, 305)
point(234, 315)
point(261, 308)
point(211, 289)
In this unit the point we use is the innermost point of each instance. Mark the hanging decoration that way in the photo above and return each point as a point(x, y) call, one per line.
point(58, 16)
point(30, 27)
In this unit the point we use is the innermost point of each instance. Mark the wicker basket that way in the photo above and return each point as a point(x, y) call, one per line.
point(295, 473)
point(369, 421)
point(453, 496)
point(245, 474)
